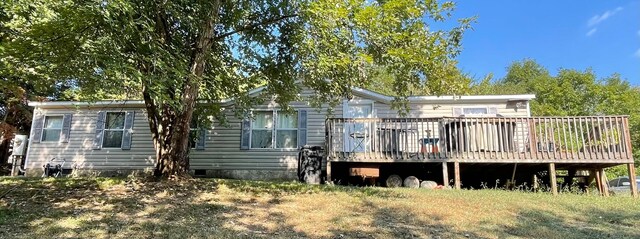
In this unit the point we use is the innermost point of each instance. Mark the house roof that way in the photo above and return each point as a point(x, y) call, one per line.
point(445, 98)
point(356, 91)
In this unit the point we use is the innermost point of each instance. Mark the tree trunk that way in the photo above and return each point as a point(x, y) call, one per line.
point(170, 126)
point(4, 150)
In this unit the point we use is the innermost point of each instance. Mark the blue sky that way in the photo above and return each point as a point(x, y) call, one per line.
point(603, 35)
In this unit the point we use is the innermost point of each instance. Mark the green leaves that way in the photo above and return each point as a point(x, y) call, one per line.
point(108, 46)
point(114, 49)
point(357, 43)
point(569, 93)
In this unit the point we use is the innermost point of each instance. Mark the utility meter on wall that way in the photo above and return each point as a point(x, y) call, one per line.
point(19, 145)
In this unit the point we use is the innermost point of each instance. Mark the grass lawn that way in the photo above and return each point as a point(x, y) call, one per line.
point(207, 208)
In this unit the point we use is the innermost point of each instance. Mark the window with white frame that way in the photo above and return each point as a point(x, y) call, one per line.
point(475, 111)
point(51, 129)
point(113, 130)
point(271, 129)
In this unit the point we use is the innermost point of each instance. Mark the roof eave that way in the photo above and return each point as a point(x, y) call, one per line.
point(103, 103)
point(470, 98)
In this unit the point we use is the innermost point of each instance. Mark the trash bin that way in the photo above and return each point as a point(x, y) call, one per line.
point(310, 164)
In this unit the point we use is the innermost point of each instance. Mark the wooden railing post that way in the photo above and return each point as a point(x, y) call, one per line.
point(578, 140)
point(627, 138)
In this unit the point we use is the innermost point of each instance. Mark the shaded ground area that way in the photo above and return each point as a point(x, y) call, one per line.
point(206, 208)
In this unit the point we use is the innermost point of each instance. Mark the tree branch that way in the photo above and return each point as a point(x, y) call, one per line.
point(162, 25)
point(56, 38)
point(254, 25)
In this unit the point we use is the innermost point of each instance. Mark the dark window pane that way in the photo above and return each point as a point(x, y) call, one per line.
point(51, 134)
point(112, 139)
point(287, 139)
point(115, 120)
point(261, 139)
point(287, 121)
point(475, 111)
point(193, 138)
point(53, 122)
point(262, 120)
point(194, 122)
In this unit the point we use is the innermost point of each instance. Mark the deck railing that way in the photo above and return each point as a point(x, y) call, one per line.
point(593, 139)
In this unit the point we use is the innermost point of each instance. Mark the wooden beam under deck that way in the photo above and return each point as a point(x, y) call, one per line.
point(540, 143)
point(417, 158)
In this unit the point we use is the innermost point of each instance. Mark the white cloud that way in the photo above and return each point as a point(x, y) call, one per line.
point(637, 54)
point(592, 31)
point(599, 18)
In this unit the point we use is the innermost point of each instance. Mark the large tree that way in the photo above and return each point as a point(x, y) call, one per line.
point(186, 55)
point(15, 91)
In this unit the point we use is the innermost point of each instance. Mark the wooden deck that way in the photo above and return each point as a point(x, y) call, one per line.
point(583, 140)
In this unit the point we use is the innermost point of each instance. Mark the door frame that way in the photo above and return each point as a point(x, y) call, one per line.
point(346, 113)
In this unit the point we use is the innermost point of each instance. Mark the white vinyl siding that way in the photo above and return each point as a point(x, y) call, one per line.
point(223, 151)
point(79, 150)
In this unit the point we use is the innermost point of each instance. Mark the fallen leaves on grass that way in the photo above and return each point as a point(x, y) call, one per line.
point(205, 208)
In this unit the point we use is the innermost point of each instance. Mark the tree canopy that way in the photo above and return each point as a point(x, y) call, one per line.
point(174, 54)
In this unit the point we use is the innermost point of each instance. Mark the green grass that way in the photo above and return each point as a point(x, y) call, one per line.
point(207, 208)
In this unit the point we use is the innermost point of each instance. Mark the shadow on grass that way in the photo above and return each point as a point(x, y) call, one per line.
point(212, 208)
point(399, 222)
point(121, 208)
point(592, 223)
point(292, 188)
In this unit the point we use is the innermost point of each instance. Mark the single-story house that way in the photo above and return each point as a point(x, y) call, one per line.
point(108, 137)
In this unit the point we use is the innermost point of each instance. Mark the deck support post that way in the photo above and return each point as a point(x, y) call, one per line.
point(592, 176)
point(552, 177)
point(445, 174)
point(632, 176)
point(328, 179)
point(456, 176)
point(535, 182)
point(598, 178)
point(512, 183)
point(603, 181)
